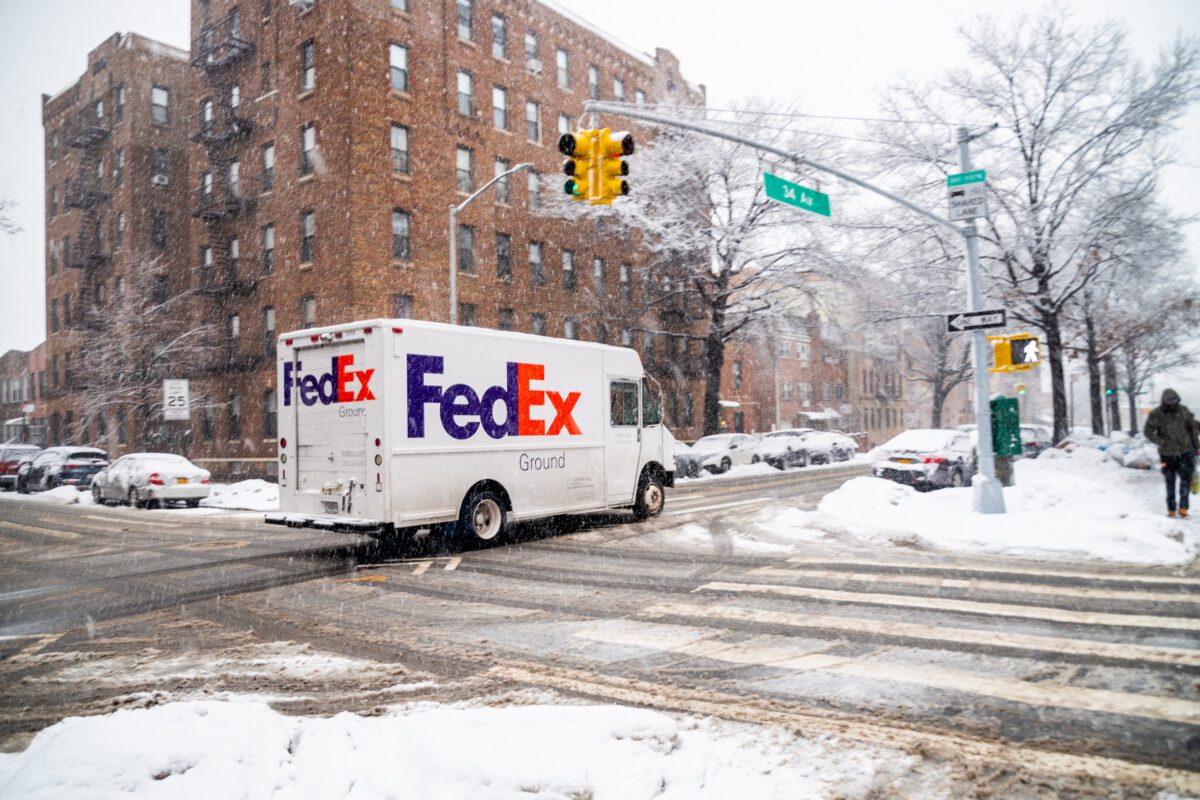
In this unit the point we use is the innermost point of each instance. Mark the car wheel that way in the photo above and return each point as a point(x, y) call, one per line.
point(956, 479)
point(726, 464)
point(650, 496)
point(482, 518)
point(96, 496)
point(135, 499)
point(22, 487)
point(801, 459)
point(193, 503)
point(754, 459)
point(51, 483)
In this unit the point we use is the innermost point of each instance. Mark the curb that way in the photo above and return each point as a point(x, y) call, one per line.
point(766, 481)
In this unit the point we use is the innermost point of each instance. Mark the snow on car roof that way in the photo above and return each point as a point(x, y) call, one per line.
point(922, 439)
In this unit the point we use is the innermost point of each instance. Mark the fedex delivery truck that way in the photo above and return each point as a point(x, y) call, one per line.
point(386, 425)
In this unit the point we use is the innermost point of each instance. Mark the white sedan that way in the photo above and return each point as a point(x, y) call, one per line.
point(783, 448)
point(143, 480)
point(826, 447)
point(720, 452)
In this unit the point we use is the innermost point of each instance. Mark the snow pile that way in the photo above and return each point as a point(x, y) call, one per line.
point(1065, 505)
point(251, 495)
point(61, 495)
point(1133, 452)
point(207, 749)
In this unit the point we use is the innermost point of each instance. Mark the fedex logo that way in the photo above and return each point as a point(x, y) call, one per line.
point(479, 411)
point(340, 385)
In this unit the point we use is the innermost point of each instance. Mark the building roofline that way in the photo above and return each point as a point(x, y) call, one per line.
point(128, 41)
point(571, 16)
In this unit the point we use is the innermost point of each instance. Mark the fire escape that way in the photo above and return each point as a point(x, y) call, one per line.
point(225, 197)
point(87, 132)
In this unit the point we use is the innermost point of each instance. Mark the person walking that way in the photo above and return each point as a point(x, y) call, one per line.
point(1173, 429)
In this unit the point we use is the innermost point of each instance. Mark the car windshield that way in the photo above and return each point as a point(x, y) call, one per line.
point(778, 434)
point(87, 455)
point(710, 443)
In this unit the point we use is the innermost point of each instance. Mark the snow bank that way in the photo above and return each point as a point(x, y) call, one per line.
point(62, 495)
point(251, 495)
point(1065, 505)
point(207, 749)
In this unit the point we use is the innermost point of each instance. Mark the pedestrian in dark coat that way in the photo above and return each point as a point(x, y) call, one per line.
point(1173, 429)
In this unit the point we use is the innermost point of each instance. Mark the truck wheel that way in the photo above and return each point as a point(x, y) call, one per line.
point(650, 496)
point(482, 519)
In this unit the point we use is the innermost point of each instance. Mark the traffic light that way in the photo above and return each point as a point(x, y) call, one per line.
point(1020, 387)
point(1109, 391)
point(581, 151)
point(614, 146)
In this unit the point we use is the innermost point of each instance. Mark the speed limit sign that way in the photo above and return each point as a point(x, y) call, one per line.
point(175, 400)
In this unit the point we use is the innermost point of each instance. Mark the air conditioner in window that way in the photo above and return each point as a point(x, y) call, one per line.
point(534, 65)
point(303, 5)
point(160, 180)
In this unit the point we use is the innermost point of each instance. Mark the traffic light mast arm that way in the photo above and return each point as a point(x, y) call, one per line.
point(595, 106)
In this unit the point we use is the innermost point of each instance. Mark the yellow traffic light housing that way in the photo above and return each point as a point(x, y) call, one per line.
point(613, 147)
point(1016, 352)
point(581, 165)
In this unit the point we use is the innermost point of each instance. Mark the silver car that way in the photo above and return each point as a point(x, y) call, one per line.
point(143, 480)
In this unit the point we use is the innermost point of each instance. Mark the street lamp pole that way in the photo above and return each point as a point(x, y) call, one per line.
point(454, 209)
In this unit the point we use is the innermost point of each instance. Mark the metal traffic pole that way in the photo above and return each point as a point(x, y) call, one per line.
point(454, 234)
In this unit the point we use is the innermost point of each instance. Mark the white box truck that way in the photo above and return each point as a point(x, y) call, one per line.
point(388, 425)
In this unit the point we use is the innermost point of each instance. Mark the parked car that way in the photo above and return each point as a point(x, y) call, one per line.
point(145, 479)
point(826, 447)
point(723, 450)
point(926, 458)
point(61, 466)
point(1035, 439)
point(782, 449)
point(11, 456)
point(687, 461)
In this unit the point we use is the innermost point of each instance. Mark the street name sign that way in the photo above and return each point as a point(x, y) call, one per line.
point(175, 400)
point(967, 195)
point(976, 320)
point(793, 194)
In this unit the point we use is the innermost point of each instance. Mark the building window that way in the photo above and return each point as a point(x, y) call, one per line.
point(160, 164)
point(206, 266)
point(399, 61)
point(639, 97)
point(598, 274)
point(462, 169)
point(568, 259)
point(270, 415)
point(570, 328)
point(648, 338)
point(618, 90)
point(53, 256)
point(465, 14)
point(308, 66)
point(308, 311)
point(499, 37)
point(466, 314)
point(507, 320)
point(308, 236)
point(119, 290)
point(160, 292)
point(564, 124)
point(500, 167)
point(235, 332)
point(533, 128)
point(268, 324)
point(532, 63)
point(401, 235)
point(601, 333)
point(160, 105)
point(503, 256)
point(54, 317)
point(626, 337)
point(399, 149)
point(561, 67)
point(626, 284)
point(400, 5)
point(119, 167)
point(158, 230)
point(234, 411)
point(53, 201)
point(533, 186)
point(466, 93)
point(402, 306)
point(536, 269)
point(466, 248)
point(235, 96)
point(500, 108)
point(54, 145)
point(787, 390)
point(268, 249)
point(235, 178)
point(538, 324)
point(308, 147)
point(803, 352)
point(265, 77)
point(268, 166)
point(593, 82)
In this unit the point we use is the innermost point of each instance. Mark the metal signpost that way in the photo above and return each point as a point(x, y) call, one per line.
point(176, 405)
point(793, 194)
point(976, 320)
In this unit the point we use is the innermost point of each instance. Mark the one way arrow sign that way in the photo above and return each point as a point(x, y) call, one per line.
point(976, 320)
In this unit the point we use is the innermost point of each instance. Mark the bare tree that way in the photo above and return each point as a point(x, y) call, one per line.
point(1083, 133)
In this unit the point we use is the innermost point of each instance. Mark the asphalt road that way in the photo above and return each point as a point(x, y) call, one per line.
point(1031, 679)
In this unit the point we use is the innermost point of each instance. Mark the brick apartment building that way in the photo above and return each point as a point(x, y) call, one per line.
point(878, 396)
point(322, 143)
point(22, 386)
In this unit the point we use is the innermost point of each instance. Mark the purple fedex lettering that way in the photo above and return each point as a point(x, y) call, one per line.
point(459, 400)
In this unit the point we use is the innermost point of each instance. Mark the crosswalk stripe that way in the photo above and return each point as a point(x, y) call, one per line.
point(694, 509)
point(961, 606)
point(44, 531)
point(123, 520)
point(774, 651)
point(1083, 592)
point(992, 568)
point(1171, 656)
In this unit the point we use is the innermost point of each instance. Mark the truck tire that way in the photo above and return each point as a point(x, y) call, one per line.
point(650, 496)
point(483, 518)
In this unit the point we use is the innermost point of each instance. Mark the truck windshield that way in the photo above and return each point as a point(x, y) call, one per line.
point(651, 403)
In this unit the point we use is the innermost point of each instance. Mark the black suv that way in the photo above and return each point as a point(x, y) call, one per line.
point(61, 466)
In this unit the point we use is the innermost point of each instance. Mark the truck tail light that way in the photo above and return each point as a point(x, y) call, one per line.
point(156, 479)
point(283, 443)
point(367, 329)
point(935, 460)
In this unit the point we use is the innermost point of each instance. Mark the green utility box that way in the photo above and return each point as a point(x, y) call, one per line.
point(1006, 426)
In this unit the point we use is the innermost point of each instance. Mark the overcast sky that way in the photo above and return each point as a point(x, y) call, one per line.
point(833, 57)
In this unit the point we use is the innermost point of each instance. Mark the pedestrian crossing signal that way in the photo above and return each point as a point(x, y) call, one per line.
point(1016, 352)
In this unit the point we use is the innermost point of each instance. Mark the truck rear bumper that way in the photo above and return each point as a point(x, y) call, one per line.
point(327, 523)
